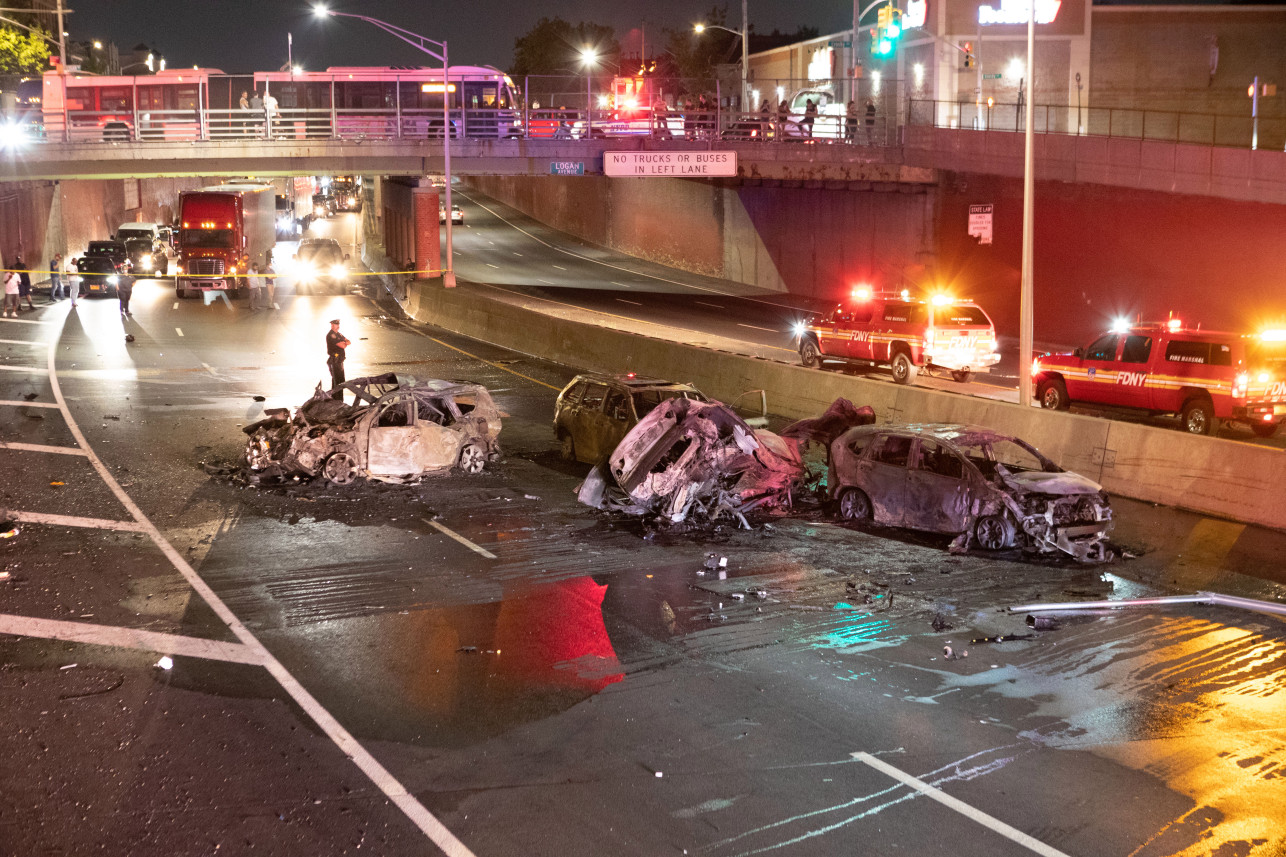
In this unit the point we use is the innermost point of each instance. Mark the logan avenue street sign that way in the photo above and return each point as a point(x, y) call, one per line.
point(688, 164)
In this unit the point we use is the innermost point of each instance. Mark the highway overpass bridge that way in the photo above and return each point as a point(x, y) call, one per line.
point(924, 154)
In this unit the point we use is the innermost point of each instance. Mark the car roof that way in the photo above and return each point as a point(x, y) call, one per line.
point(1185, 332)
point(950, 432)
point(633, 382)
point(329, 242)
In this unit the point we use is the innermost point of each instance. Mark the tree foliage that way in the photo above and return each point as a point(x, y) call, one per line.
point(23, 53)
point(554, 47)
point(695, 56)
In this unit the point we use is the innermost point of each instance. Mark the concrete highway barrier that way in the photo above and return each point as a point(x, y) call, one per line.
point(1239, 481)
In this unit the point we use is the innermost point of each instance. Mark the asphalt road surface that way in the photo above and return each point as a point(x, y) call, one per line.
point(479, 665)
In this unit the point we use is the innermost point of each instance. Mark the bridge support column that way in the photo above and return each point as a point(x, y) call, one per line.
point(428, 242)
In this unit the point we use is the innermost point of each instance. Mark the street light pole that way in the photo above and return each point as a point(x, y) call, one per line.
point(744, 106)
point(1026, 316)
point(422, 43)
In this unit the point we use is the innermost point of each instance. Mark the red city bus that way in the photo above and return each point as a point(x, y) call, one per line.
point(169, 105)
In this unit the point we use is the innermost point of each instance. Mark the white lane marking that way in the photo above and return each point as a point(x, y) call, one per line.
point(39, 447)
point(516, 253)
point(622, 285)
point(560, 267)
point(960, 806)
point(22, 342)
point(179, 331)
point(176, 305)
point(546, 282)
point(28, 404)
point(275, 305)
point(489, 265)
point(703, 303)
point(624, 301)
point(22, 321)
point(342, 738)
point(459, 538)
point(35, 369)
point(753, 327)
point(129, 638)
point(207, 368)
point(76, 521)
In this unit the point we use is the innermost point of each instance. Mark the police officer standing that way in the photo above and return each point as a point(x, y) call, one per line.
point(336, 342)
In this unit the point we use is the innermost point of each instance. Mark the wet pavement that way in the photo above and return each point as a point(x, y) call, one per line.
point(480, 665)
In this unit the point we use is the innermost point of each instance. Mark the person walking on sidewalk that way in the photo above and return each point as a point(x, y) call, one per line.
point(255, 285)
point(269, 282)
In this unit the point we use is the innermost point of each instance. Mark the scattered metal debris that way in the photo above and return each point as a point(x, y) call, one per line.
point(1211, 598)
point(397, 430)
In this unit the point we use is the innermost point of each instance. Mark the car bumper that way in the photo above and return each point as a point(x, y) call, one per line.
point(958, 361)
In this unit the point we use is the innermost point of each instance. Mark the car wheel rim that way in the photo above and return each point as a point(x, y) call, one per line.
point(851, 506)
point(341, 469)
point(472, 459)
point(1051, 399)
point(991, 533)
point(1197, 422)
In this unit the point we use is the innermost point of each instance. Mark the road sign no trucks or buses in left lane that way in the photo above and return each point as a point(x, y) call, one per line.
point(680, 164)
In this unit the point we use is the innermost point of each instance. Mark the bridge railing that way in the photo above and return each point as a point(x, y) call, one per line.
point(1173, 126)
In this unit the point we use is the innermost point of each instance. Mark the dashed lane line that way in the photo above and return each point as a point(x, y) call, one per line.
point(128, 638)
point(459, 538)
point(37, 369)
point(179, 331)
point(22, 321)
point(392, 788)
point(176, 305)
point(31, 342)
point(756, 327)
point(624, 301)
point(40, 447)
point(970, 812)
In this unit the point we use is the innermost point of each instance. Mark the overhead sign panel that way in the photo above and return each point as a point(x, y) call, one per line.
point(1017, 12)
point(567, 168)
point(680, 164)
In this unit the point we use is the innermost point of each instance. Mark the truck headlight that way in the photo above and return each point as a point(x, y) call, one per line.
point(338, 271)
point(146, 261)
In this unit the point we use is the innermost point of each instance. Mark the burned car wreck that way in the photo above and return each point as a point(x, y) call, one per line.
point(987, 488)
point(397, 429)
point(689, 460)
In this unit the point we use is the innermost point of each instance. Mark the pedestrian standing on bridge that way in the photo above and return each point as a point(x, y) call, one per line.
point(244, 104)
point(870, 122)
point(810, 116)
point(336, 345)
point(850, 121)
point(269, 112)
point(783, 112)
point(256, 106)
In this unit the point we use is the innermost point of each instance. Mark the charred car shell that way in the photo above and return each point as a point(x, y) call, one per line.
point(689, 459)
point(985, 487)
point(397, 429)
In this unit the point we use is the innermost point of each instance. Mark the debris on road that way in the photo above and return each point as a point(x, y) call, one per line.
point(9, 529)
point(398, 429)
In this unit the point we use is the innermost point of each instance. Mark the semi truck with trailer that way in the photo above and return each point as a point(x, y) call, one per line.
point(223, 229)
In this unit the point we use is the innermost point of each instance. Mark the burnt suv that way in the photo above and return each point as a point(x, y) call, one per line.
point(904, 334)
point(594, 412)
point(1204, 376)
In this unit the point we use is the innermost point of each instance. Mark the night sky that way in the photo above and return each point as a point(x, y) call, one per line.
point(241, 36)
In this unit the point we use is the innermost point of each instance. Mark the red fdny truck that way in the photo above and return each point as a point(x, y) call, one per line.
point(1204, 376)
point(219, 228)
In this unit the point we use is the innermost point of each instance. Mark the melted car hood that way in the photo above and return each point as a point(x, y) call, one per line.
point(1052, 483)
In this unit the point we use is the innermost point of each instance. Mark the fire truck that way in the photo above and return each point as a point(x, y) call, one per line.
point(1204, 376)
point(903, 333)
point(222, 227)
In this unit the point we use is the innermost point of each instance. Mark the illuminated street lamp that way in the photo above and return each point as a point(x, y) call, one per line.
point(421, 43)
point(589, 57)
point(745, 52)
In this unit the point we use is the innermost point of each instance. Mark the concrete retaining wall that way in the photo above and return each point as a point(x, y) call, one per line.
point(1224, 478)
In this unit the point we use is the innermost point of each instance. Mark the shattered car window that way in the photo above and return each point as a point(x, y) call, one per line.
point(1015, 457)
point(646, 400)
point(617, 406)
point(936, 458)
point(594, 395)
point(893, 449)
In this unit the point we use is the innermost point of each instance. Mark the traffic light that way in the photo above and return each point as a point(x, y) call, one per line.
point(888, 27)
point(967, 48)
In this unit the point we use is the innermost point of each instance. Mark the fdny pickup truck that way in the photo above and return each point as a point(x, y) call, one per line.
point(1202, 375)
point(904, 334)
